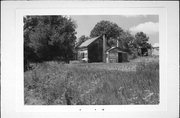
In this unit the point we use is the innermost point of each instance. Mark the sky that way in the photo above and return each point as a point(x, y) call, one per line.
point(148, 24)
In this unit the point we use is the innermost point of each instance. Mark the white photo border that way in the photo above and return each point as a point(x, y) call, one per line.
point(85, 8)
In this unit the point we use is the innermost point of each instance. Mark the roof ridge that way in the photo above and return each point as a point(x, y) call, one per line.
point(88, 41)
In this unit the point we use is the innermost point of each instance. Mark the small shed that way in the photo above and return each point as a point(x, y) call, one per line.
point(116, 55)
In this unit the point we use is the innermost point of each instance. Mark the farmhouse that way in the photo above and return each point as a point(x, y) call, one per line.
point(96, 50)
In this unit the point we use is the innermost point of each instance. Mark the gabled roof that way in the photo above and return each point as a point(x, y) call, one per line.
point(119, 50)
point(88, 42)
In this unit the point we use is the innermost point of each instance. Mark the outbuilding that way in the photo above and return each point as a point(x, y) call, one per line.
point(116, 55)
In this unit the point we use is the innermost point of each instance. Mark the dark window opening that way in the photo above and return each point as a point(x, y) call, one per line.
point(82, 55)
point(120, 57)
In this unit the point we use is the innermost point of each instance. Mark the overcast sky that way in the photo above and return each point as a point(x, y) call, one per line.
point(149, 24)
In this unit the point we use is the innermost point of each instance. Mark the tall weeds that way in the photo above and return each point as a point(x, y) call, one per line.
point(77, 84)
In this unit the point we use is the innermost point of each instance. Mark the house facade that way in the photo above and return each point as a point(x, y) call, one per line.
point(91, 50)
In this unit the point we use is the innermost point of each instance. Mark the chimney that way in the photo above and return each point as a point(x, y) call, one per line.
point(104, 48)
point(117, 43)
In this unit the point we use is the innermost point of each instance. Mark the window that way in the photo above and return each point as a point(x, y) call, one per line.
point(82, 54)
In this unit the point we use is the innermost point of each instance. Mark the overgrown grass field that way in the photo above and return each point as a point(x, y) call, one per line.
point(53, 83)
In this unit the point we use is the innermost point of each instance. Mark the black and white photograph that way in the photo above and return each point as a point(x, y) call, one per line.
point(87, 59)
point(91, 60)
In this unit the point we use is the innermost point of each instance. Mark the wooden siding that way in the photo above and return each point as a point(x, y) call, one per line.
point(116, 56)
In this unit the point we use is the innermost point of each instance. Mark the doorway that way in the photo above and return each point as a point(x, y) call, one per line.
point(120, 59)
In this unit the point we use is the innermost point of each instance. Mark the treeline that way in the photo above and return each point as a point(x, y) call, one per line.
point(48, 38)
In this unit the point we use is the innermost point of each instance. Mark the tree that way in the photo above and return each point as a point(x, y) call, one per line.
point(29, 55)
point(111, 30)
point(141, 41)
point(141, 38)
point(81, 40)
point(48, 38)
point(126, 39)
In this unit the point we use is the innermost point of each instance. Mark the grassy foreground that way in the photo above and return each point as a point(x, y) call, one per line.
point(53, 83)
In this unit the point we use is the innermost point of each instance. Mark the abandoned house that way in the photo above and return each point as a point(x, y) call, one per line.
point(96, 50)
